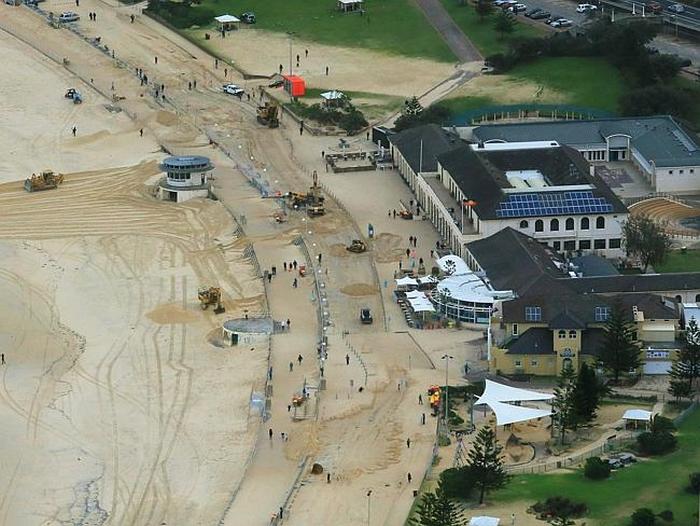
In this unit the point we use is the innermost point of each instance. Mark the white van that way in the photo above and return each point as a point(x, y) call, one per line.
point(69, 16)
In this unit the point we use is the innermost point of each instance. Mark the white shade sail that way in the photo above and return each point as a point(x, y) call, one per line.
point(637, 414)
point(413, 294)
point(427, 279)
point(510, 414)
point(406, 281)
point(495, 392)
point(484, 521)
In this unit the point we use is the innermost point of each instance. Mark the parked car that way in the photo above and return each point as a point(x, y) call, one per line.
point(533, 12)
point(542, 15)
point(366, 316)
point(248, 17)
point(676, 8)
point(278, 83)
point(232, 89)
point(562, 22)
point(654, 7)
point(552, 18)
point(68, 16)
point(583, 8)
point(517, 8)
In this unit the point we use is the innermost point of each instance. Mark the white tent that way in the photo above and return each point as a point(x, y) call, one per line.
point(637, 414)
point(453, 265)
point(510, 414)
point(406, 281)
point(226, 19)
point(333, 95)
point(484, 521)
point(421, 304)
point(495, 392)
point(427, 279)
point(413, 294)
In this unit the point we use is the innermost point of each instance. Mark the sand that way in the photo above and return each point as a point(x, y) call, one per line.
point(379, 73)
point(503, 89)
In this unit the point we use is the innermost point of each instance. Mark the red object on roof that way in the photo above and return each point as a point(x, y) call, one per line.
point(294, 85)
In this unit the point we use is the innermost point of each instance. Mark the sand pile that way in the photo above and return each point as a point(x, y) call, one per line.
point(388, 247)
point(359, 289)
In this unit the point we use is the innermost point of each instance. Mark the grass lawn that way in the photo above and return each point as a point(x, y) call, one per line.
point(678, 261)
point(481, 33)
point(589, 82)
point(657, 484)
point(459, 105)
point(372, 105)
point(393, 26)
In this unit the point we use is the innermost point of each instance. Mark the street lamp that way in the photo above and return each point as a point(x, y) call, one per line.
point(369, 496)
point(447, 359)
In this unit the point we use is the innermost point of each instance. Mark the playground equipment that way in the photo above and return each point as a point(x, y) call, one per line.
point(46, 180)
point(211, 296)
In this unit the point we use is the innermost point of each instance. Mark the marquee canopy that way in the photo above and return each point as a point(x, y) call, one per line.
point(406, 281)
point(226, 19)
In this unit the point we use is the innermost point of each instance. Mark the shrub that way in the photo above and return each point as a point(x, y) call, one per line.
point(559, 507)
point(643, 517)
point(656, 443)
point(352, 122)
point(596, 469)
point(457, 483)
point(694, 486)
point(666, 515)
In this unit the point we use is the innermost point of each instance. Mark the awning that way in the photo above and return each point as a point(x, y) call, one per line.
point(495, 392)
point(637, 414)
point(226, 19)
point(421, 304)
point(484, 521)
point(406, 281)
point(510, 414)
point(413, 294)
point(427, 279)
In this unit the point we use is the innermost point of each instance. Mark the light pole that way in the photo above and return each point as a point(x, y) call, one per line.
point(369, 498)
point(447, 359)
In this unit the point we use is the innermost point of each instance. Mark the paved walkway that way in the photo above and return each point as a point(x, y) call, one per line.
point(443, 23)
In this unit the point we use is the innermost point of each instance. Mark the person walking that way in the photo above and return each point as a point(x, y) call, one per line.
point(141, 132)
point(394, 213)
point(306, 53)
point(194, 83)
point(132, 18)
point(422, 419)
point(289, 408)
point(75, 130)
point(326, 71)
point(420, 399)
point(281, 69)
point(328, 478)
point(347, 359)
point(285, 266)
point(155, 59)
point(300, 359)
point(291, 366)
point(2, 359)
point(295, 284)
point(189, 85)
point(320, 256)
point(288, 323)
point(269, 432)
point(295, 264)
point(409, 477)
point(408, 442)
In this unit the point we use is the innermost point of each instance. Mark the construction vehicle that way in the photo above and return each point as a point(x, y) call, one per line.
point(211, 296)
point(434, 399)
point(357, 246)
point(74, 95)
point(267, 115)
point(46, 180)
point(366, 316)
point(315, 205)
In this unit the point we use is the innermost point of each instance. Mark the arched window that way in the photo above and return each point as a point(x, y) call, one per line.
point(562, 334)
point(539, 226)
point(570, 223)
point(523, 224)
point(600, 222)
point(585, 223)
point(697, 298)
point(679, 299)
point(572, 334)
point(554, 225)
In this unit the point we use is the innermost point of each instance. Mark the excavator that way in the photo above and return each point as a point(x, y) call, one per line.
point(46, 180)
point(267, 115)
point(312, 200)
point(357, 246)
point(211, 296)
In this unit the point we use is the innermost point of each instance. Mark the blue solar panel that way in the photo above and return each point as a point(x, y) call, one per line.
point(548, 204)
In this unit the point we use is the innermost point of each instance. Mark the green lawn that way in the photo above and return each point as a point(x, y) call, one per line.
point(481, 33)
point(678, 261)
point(657, 484)
point(589, 82)
point(393, 26)
point(372, 105)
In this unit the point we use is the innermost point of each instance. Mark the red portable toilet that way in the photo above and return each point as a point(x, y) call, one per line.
point(294, 85)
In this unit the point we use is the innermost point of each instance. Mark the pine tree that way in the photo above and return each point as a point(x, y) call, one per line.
point(504, 23)
point(563, 404)
point(678, 385)
point(486, 463)
point(689, 355)
point(435, 509)
point(620, 351)
point(586, 396)
point(412, 106)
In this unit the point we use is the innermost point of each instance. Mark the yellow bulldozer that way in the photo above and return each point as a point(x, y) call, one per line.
point(268, 115)
point(46, 180)
point(357, 246)
point(211, 296)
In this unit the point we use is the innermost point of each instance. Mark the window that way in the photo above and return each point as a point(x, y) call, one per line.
point(515, 329)
point(697, 298)
point(533, 313)
point(569, 245)
point(615, 243)
point(670, 172)
point(599, 244)
point(523, 224)
point(602, 313)
point(680, 171)
point(585, 223)
point(584, 244)
point(600, 222)
point(556, 245)
point(518, 363)
point(678, 299)
point(533, 363)
point(570, 223)
point(554, 225)
point(562, 334)
point(572, 334)
point(539, 226)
